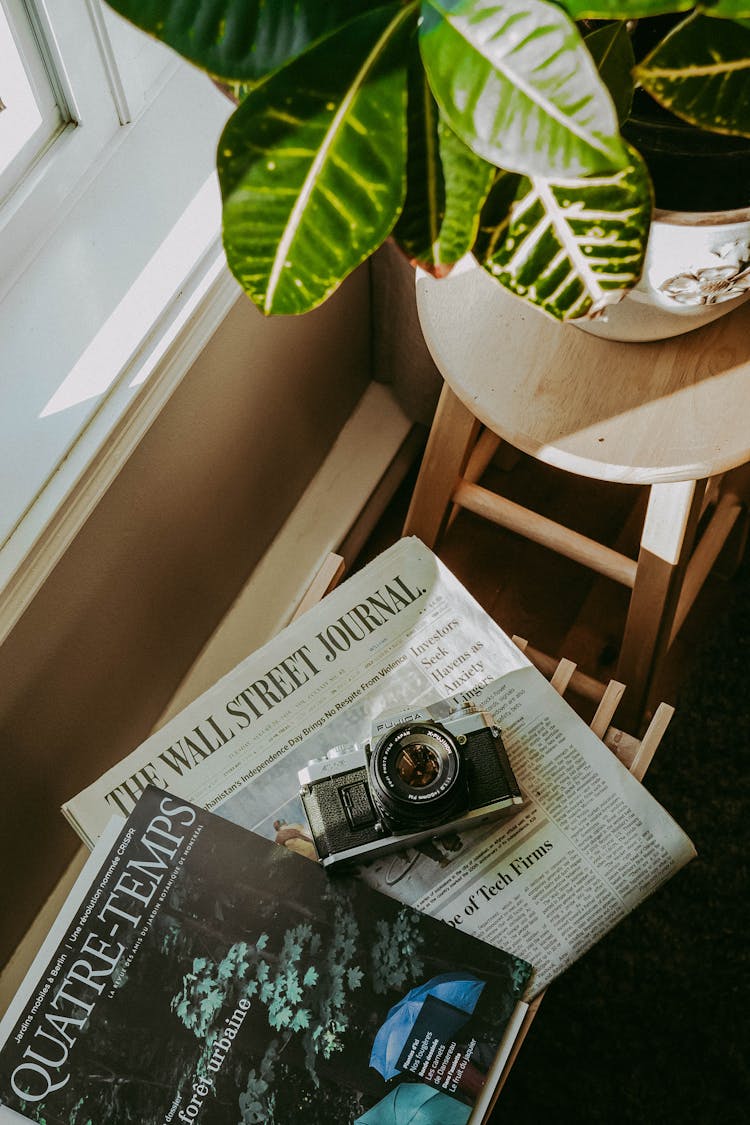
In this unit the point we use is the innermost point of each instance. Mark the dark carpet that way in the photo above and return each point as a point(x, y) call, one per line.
point(650, 1025)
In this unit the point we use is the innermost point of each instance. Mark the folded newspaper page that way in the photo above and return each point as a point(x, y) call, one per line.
point(587, 845)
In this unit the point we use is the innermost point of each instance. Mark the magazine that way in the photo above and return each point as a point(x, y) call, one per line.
point(588, 844)
point(199, 973)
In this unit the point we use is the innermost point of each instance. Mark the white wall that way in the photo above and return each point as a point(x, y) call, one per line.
point(94, 660)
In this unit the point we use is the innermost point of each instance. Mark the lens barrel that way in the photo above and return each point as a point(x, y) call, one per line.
point(417, 777)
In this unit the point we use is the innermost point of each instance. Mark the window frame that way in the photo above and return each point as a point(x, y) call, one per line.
point(26, 57)
point(91, 223)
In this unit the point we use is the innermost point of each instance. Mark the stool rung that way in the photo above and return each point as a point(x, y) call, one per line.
point(546, 532)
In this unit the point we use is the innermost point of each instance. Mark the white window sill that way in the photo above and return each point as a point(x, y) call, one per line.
point(103, 324)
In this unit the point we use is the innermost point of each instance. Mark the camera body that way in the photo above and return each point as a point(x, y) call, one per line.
point(416, 778)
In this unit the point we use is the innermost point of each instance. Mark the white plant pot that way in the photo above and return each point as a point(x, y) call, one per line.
point(697, 268)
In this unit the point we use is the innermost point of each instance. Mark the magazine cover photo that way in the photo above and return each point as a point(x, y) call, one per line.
point(205, 974)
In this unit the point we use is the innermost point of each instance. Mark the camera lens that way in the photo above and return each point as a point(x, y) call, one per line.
point(417, 777)
point(417, 765)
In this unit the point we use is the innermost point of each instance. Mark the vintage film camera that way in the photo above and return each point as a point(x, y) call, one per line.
point(414, 779)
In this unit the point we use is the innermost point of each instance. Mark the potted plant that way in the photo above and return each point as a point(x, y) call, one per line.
point(504, 128)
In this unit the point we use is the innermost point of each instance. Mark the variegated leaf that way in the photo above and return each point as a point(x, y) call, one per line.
point(574, 246)
point(239, 39)
point(313, 164)
point(418, 225)
point(468, 180)
point(494, 218)
point(514, 80)
point(701, 72)
point(727, 9)
point(611, 49)
point(623, 9)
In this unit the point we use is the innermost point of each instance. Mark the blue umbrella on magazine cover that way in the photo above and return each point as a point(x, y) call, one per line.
point(460, 990)
point(413, 1103)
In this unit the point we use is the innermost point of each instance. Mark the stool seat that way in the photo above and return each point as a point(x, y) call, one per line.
point(670, 414)
point(638, 413)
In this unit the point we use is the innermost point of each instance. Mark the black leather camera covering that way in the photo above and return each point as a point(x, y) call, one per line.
point(328, 821)
point(489, 775)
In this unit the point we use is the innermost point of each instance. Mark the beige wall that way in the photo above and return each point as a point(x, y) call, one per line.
point(93, 662)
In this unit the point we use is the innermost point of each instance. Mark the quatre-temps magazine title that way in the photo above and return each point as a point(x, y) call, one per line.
point(199, 973)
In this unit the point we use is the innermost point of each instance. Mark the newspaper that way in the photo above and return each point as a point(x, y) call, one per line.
point(588, 844)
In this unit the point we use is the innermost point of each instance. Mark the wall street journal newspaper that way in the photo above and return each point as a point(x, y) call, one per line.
point(587, 845)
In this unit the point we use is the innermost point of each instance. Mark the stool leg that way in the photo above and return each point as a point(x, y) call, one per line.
point(452, 437)
point(479, 459)
point(667, 540)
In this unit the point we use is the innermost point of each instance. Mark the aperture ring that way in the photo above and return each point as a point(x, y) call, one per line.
point(408, 796)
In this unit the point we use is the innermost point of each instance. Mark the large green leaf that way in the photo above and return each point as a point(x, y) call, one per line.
point(239, 39)
point(468, 180)
point(312, 164)
point(701, 72)
point(572, 246)
point(516, 83)
point(446, 186)
point(612, 50)
point(726, 9)
point(419, 224)
point(623, 9)
point(494, 218)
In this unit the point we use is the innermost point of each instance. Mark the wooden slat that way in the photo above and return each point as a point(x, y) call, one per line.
point(562, 675)
point(548, 533)
point(651, 739)
point(607, 707)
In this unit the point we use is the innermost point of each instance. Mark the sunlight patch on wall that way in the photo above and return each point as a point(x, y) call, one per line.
point(156, 288)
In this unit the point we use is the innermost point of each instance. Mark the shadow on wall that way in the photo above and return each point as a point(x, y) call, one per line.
point(398, 344)
point(92, 664)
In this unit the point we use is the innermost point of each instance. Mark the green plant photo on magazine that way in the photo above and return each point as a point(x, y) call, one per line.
point(522, 131)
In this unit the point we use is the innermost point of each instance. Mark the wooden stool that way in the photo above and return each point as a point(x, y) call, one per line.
point(672, 414)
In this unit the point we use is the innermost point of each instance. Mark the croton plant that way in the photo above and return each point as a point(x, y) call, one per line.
point(490, 126)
